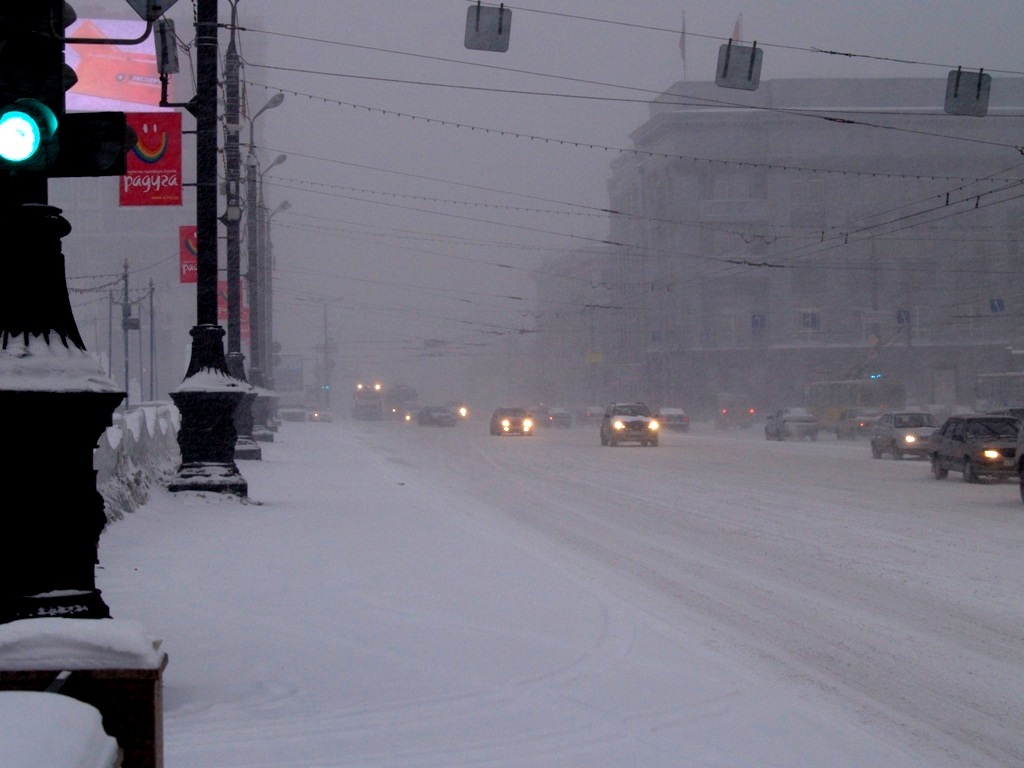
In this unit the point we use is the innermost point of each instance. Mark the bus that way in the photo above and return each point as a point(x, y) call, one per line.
point(999, 391)
point(830, 401)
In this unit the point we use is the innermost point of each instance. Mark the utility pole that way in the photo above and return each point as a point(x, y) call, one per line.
point(209, 395)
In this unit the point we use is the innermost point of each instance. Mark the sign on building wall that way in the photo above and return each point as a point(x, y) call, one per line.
point(154, 162)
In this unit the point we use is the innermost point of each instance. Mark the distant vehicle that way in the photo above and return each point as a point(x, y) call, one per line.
point(629, 423)
point(856, 422)
point(674, 419)
point(436, 416)
point(461, 410)
point(791, 424)
point(368, 401)
point(978, 445)
point(902, 433)
point(559, 417)
point(321, 414)
point(511, 421)
point(830, 401)
point(734, 410)
point(996, 391)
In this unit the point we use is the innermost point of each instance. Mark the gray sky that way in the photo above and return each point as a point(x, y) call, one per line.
point(411, 223)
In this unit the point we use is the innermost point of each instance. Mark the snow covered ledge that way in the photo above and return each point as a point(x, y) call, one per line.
point(114, 666)
point(47, 729)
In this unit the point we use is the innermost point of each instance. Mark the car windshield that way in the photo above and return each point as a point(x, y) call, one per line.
point(910, 420)
point(993, 428)
point(631, 410)
point(512, 412)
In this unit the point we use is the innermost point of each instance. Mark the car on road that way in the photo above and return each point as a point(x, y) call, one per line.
point(559, 417)
point(629, 423)
point(511, 421)
point(436, 416)
point(902, 433)
point(856, 422)
point(674, 419)
point(734, 410)
point(978, 445)
point(320, 414)
point(791, 424)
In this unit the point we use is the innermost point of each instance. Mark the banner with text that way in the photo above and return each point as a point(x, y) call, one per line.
point(188, 254)
point(154, 162)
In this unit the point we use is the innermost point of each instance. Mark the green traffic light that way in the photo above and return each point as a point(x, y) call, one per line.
point(20, 137)
point(25, 126)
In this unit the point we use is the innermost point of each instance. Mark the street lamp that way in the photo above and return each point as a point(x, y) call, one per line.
point(254, 210)
point(266, 261)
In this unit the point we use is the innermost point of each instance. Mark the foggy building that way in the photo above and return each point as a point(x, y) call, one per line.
point(808, 230)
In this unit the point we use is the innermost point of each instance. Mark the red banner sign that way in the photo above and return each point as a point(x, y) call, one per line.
point(154, 163)
point(188, 250)
point(243, 310)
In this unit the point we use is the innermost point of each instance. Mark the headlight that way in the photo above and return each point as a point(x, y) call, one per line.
point(990, 454)
point(653, 425)
point(463, 412)
point(618, 425)
point(910, 439)
point(505, 423)
point(527, 423)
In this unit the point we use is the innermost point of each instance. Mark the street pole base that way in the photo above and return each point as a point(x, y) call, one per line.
point(246, 448)
point(209, 476)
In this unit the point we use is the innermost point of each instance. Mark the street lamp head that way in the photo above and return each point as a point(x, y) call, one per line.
point(275, 101)
point(277, 161)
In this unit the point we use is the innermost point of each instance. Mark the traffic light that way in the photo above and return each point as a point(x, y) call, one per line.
point(33, 79)
point(36, 134)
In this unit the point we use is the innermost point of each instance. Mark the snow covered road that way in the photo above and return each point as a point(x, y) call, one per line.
point(419, 596)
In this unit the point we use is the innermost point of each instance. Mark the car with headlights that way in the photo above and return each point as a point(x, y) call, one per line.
point(791, 424)
point(512, 421)
point(436, 416)
point(856, 422)
point(320, 414)
point(978, 445)
point(902, 433)
point(674, 419)
point(629, 423)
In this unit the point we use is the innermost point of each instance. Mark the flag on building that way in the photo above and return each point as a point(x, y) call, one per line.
point(737, 31)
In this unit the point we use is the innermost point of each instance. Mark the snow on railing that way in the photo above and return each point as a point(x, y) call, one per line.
point(140, 448)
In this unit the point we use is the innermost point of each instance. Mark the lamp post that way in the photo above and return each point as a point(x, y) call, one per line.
point(245, 445)
point(253, 202)
point(209, 395)
point(266, 258)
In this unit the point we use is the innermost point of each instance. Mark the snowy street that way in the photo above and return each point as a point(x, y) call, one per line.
point(396, 595)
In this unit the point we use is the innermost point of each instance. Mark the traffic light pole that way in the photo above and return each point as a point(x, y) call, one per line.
point(209, 395)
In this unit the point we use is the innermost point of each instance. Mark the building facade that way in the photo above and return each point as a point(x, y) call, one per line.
point(810, 230)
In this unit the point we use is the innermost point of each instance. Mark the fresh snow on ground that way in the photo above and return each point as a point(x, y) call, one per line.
point(395, 596)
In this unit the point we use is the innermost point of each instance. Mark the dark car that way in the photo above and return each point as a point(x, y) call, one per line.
point(902, 433)
point(512, 421)
point(436, 416)
point(559, 417)
point(856, 422)
point(629, 423)
point(978, 445)
point(674, 419)
point(791, 424)
point(734, 410)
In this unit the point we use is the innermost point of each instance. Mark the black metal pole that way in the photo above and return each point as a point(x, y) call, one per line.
point(209, 396)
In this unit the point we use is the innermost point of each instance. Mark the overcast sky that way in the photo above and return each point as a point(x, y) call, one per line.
point(425, 180)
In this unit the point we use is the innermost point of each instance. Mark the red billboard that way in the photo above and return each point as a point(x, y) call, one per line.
point(188, 254)
point(154, 164)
